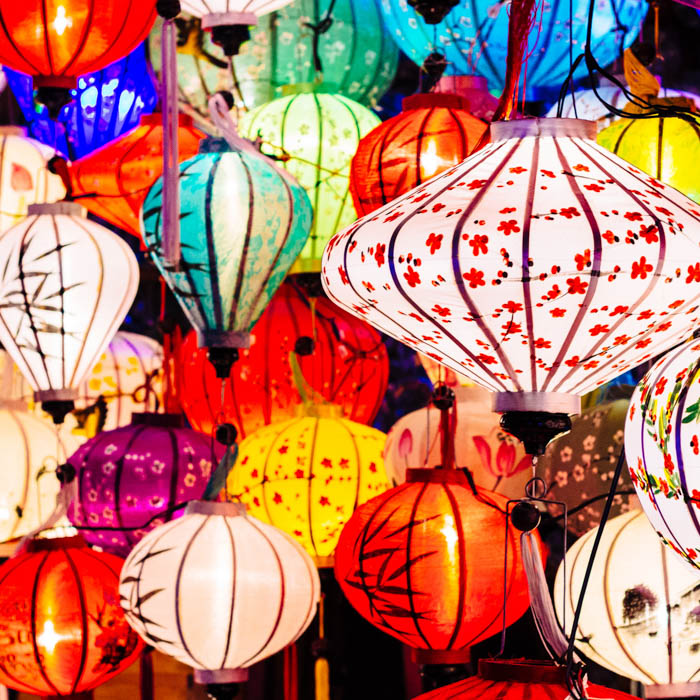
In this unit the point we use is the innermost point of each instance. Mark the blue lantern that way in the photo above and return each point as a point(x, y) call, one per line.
point(474, 36)
point(105, 105)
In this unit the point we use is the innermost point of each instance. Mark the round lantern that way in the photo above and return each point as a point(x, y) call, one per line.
point(540, 267)
point(306, 476)
point(640, 612)
point(106, 104)
point(661, 443)
point(431, 134)
point(67, 284)
point(474, 37)
point(667, 148)
point(242, 224)
point(347, 364)
point(129, 475)
point(113, 181)
point(315, 136)
point(219, 590)
point(63, 632)
point(424, 562)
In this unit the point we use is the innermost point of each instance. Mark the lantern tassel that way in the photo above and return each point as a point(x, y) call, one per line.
point(322, 669)
point(146, 686)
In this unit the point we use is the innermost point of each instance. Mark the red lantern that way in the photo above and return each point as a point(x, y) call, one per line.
point(425, 561)
point(113, 181)
point(347, 365)
point(432, 133)
point(62, 629)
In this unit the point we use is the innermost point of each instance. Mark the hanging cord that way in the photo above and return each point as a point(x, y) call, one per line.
point(320, 651)
point(572, 89)
point(657, 52)
point(321, 27)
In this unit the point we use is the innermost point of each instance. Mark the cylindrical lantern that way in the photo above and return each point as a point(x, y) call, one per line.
point(63, 632)
point(342, 360)
point(315, 136)
point(424, 562)
point(127, 476)
point(219, 590)
point(662, 444)
point(640, 611)
point(432, 133)
point(306, 476)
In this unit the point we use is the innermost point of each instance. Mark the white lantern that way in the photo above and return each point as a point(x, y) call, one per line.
point(66, 284)
point(641, 611)
point(219, 590)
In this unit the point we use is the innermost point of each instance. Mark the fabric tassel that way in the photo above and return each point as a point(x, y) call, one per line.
point(322, 669)
point(291, 673)
point(146, 685)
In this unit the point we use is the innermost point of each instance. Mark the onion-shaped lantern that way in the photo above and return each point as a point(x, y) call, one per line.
point(306, 476)
point(540, 267)
point(67, 284)
point(243, 223)
point(662, 442)
point(640, 611)
point(128, 476)
point(315, 136)
point(106, 104)
point(219, 590)
point(424, 562)
point(432, 133)
point(63, 630)
point(113, 181)
point(342, 360)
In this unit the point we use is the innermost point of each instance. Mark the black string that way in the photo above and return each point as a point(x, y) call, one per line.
point(588, 502)
point(319, 28)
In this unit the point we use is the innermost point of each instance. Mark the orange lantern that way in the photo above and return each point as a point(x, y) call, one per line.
point(113, 181)
point(62, 630)
point(424, 562)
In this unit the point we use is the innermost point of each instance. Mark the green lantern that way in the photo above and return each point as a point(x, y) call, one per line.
point(315, 136)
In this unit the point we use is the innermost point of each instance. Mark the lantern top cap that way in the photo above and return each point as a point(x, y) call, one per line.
point(230, 510)
point(156, 119)
point(56, 208)
point(47, 544)
point(12, 131)
point(436, 476)
point(427, 100)
point(522, 128)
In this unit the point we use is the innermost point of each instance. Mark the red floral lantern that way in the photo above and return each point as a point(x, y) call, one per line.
point(346, 364)
point(62, 629)
point(424, 562)
point(432, 133)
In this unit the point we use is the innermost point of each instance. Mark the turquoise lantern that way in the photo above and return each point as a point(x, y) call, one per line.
point(243, 222)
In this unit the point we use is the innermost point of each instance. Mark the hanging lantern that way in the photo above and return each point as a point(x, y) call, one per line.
point(105, 105)
point(540, 267)
point(342, 360)
point(127, 476)
point(67, 284)
point(307, 475)
point(641, 611)
point(113, 182)
point(56, 45)
point(242, 224)
point(391, 548)
point(63, 632)
point(661, 442)
point(315, 137)
point(432, 133)
point(219, 590)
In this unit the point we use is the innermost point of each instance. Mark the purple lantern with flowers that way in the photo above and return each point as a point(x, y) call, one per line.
point(125, 477)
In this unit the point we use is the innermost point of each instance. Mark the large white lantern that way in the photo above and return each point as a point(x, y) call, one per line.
point(219, 590)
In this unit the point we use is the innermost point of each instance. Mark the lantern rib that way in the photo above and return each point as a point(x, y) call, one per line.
point(459, 128)
point(47, 46)
point(246, 241)
point(669, 629)
point(33, 611)
point(462, 564)
point(313, 236)
point(175, 477)
point(87, 22)
point(312, 479)
point(419, 141)
point(381, 145)
point(27, 470)
point(61, 295)
point(18, 55)
point(234, 575)
point(83, 620)
point(118, 480)
point(217, 306)
point(409, 537)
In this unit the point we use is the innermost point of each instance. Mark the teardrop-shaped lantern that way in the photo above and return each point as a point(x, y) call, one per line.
point(67, 284)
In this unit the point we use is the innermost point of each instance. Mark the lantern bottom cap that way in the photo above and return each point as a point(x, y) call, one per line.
point(544, 401)
point(672, 690)
point(227, 508)
point(327, 562)
point(223, 339)
point(55, 395)
point(220, 675)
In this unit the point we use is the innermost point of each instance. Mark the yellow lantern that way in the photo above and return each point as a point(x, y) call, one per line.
point(307, 475)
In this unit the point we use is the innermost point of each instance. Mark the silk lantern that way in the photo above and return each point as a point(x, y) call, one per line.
point(106, 104)
point(67, 285)
point(63, 632)
point(432, 133)
point(219, 590)
point(113, 181)
point(307, 475)
point(348, 365)
point(127, 476)
point(242, 224)
point(640, 615)
point(540, 267)
point(315, 136)
point(661, 442)
point(424, 562)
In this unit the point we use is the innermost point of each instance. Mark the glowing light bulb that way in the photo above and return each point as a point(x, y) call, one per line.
point(49, 638)
point(449, 532)
point(62, 22)
point(430, 162)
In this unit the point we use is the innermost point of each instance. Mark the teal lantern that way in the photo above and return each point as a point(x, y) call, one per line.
point(243, 222)
point(314, 135)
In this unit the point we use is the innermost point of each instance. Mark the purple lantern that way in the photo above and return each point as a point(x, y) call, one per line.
point(126, 476)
